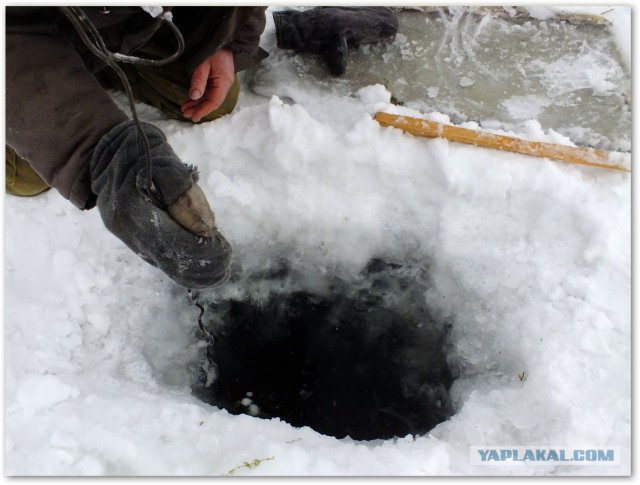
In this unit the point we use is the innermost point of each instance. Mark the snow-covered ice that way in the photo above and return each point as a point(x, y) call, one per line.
point(483, 65)
point(530, 258)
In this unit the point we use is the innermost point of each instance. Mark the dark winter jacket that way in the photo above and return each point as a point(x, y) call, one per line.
point(56, 112)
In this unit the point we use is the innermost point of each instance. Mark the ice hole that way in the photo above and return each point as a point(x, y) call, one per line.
point(359, 356)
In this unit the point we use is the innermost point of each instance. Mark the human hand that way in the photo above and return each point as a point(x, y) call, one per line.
point(210, 84)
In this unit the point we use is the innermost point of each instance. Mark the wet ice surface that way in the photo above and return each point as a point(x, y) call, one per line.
point(492, 69)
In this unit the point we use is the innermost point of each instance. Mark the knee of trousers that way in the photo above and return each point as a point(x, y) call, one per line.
point(21, 179)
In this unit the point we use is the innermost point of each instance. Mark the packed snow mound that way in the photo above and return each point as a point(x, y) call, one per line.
point(529, 257)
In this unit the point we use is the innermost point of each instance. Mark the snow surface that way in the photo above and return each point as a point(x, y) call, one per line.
point(530, 257)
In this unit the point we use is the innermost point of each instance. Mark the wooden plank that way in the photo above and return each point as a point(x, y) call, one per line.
point(432, 129)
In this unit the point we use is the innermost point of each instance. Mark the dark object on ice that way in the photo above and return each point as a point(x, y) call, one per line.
point(329, 31)
point(365, 359)
point(118, 177)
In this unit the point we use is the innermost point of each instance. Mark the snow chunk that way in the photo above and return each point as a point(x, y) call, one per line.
point(153, 11)
point(541, 13)
point(43, 391)
point(400, 39)
point(533, 130)
point(374, 94)
point(100, 321)
point(465, 82)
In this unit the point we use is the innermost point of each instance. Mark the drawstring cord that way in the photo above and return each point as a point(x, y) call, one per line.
point(93, 40)
point(205, 333)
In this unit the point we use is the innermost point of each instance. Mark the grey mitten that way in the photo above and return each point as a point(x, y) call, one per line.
point(329, 31)
point(119, 178)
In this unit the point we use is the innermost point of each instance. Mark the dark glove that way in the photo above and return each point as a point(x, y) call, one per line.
point(119, 178)
point(329, 30)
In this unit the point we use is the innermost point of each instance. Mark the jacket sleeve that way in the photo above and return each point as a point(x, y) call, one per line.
point(56, 112)
point(209, 29)
point(245, 45)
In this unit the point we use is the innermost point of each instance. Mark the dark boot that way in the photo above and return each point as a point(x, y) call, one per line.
point(329, 31)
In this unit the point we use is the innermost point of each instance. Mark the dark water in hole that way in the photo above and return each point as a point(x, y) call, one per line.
point(364, 358)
